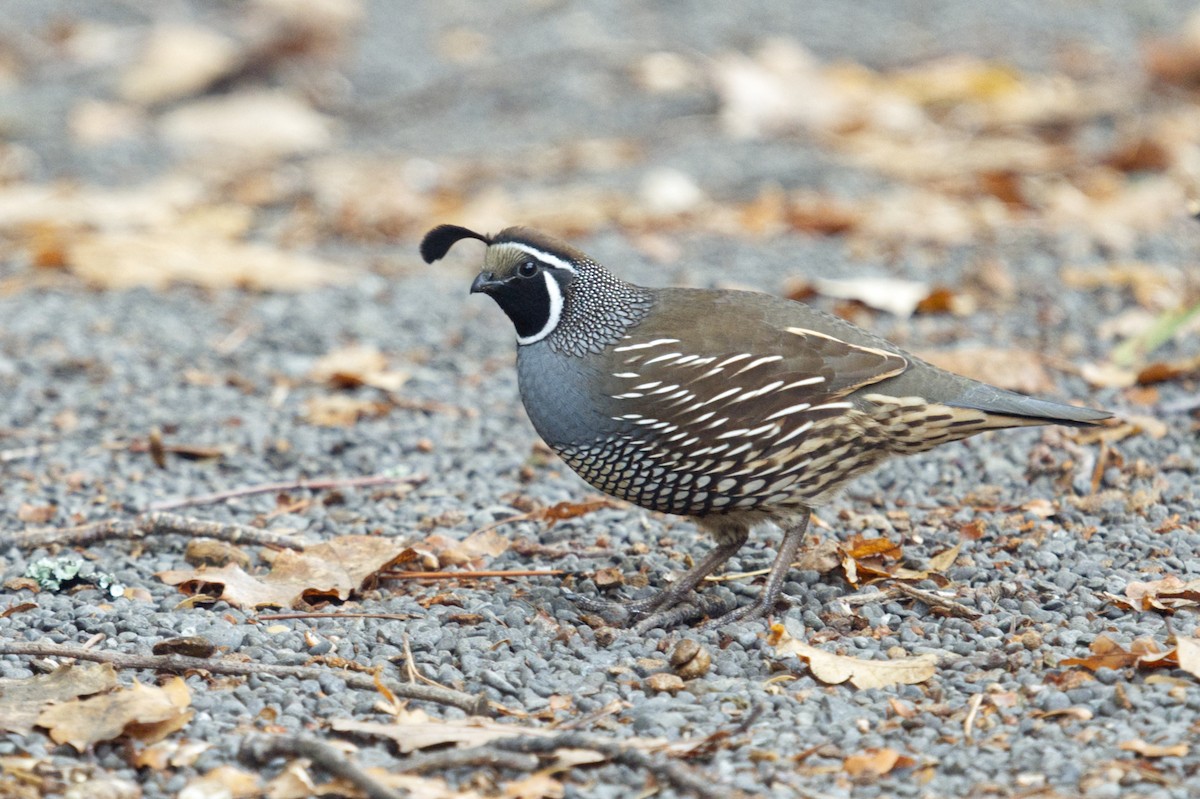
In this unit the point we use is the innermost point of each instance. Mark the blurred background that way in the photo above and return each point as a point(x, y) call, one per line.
point(336, 131)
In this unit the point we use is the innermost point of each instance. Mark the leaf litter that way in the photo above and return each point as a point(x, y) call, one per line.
point(836, 669)
point(330, 571)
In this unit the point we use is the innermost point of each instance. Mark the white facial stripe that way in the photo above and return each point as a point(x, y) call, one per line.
point(544, 257)
point(556, 306)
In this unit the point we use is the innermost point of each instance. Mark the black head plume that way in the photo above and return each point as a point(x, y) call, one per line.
point(438, 241)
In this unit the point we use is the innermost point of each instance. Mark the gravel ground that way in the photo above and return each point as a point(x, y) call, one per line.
point(84, 372)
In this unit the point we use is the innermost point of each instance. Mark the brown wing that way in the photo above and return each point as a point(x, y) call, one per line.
point(749, 363)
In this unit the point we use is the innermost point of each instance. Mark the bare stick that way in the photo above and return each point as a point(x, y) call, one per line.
point(466, 575)
point(936, 601)
point(676, 774)
point(151, 524)
point(317, 484)
point(259, 750)
point(478, 756)
point(334, 615)
point(475, 705)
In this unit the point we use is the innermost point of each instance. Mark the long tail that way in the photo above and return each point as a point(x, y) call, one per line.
point(1025, 410)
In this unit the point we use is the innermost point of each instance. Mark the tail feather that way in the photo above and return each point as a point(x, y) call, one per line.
point(1025, 410)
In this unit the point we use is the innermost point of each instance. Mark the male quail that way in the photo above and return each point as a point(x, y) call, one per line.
point(729, 407)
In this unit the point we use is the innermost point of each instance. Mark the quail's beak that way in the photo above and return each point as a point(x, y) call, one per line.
point(486, 283)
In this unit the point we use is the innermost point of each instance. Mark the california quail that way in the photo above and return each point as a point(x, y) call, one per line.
point(729, 407)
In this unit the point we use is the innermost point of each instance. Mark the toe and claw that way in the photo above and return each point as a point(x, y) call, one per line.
point(680, 604)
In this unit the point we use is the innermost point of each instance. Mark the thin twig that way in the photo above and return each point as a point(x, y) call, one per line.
point(341, 614)
point(149, 524)
point(674, 773)
point(316, 484)
point(467, 575)
point(259, 750)
point(937, 601)
point(475, 705)
point(969, 722)
point(477, 756)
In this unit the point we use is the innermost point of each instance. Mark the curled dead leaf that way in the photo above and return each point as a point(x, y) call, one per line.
point(357, 365)
point(1169, 593)
point(142, 712)
point(331, 570)
point(22, 699)
point(836, 669)
point(876, 762)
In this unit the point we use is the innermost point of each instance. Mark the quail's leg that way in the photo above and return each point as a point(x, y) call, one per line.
point(673, 594)
point(793, 536)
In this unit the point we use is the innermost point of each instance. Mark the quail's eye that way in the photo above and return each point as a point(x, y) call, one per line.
point(528, 269)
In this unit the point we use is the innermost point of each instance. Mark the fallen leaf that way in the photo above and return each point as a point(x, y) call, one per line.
point(36, 514)
point(340, 410)
point(1170, 594)
point(836, 669)
point(331, 570)
point(1187, 650)
point(472, 550)
point(535, 786)
point(357, 365)
point(142, 712)
point(896, 296)
point(159, 258)
point(942, 561)
point(864, 548)
point(263, 122)
point(23, 699)
point(876, 762)
point(178, 61)
point(1107, 653)
point(223, 781)
point(1138, 746)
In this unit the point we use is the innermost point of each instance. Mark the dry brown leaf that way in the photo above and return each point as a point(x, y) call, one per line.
point(863, 548)
point(224, 781)
point(942, 561)
point(260, 122)
point(1108, 375)
point(876, 762)
point(1107, 653)
point(357, 365)
point(142, 712)
point(36, 514)
point(1154, 286)
point(1016, 370)
point(472, 550)
point(340, 410)
point(1187, 651)
point(896, 296)
point(170, 753)
point(64, 207)
point(1169, 593)
point(160, 258)
point(836, 669)
point(331, 570)
point(536, 786)
point(178, 61)
point(21, 700)
point(1138, 746)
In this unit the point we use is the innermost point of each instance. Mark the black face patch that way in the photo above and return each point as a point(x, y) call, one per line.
point(528, 303)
